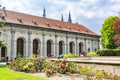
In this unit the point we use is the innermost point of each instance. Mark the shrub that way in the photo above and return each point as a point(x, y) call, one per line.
point(92, 54)
point(71, 67)
point(50, 68)
point(19, 55)
point(27, 65)
point(32, 55)
point(109, 52)
point(96, 74)
point(59, 66)
point(39, 64)
point(70, 55)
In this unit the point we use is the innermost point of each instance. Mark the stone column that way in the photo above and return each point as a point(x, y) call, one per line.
point(67, 44)
point(77, 47)
point(56, 46)
point(53, 48)
point(13, 45)
point(43, 46)
point(26, 49)
point(92, 45)
point(64, 48)
point(39, 49)
point(85, 45)
point(29, 44)
point(0, 54)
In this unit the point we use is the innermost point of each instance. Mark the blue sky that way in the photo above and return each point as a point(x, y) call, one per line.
point(90, 13)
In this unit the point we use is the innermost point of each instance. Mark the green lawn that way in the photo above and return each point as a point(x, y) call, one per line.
point(6, 74)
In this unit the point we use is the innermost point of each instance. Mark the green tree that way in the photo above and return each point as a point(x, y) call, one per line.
point(1, 42)
point(116, 28)
point(107, 33)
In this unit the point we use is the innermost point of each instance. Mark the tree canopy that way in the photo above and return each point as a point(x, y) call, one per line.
point(107, 33)
point(116, 27)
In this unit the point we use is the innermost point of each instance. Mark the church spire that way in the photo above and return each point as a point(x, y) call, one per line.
point(44, 13)
point(62, 18)
point(69, 18)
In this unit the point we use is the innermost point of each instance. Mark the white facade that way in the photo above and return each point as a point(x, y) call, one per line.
point(10, 33)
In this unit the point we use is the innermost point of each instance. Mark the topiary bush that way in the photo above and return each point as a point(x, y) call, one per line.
point(92, 54)
point(109, 52)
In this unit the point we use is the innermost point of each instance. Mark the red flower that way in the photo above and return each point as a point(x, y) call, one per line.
point(103, 70)
point(62, 66)
point(63, 61)
point(37, 59)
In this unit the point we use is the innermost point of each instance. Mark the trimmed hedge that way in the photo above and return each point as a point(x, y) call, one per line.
point(109, 52)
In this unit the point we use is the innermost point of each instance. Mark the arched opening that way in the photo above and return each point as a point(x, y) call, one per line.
point(20, 47)
point(71, 47)
point(80, 47)
point(35, 47)
point(61, 46)
point(49, 48)
point(88, 49)
point(95, 49)
point(3, 53)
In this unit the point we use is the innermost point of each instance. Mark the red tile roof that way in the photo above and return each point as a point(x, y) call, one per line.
point(26, 19)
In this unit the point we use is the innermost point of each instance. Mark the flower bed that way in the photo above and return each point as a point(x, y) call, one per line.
point(59, 66)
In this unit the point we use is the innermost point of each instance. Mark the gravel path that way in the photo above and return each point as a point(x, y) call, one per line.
point(60, 76)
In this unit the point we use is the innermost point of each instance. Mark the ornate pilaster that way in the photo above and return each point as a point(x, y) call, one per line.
point(43, 45)
point(77, 50)
point(85, 45)
point(29, 44)
point(92, 45)
point(67, 44)
point(0, 54)
point(56, 46)
point(13, 46)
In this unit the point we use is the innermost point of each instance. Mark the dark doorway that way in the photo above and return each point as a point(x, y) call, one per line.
point(20, 47)
point(35, 46)
point(49, 48)
point(60, 48)
point(3, 53)
point(80, 47)
point(71, 47)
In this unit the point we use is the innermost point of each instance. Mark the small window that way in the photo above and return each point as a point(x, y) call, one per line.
point(59, 26)
point(3, 17)
point(19, 19)
point(46, 23)
point(34, 22)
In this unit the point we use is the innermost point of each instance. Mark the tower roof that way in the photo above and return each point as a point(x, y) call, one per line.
point(44, 13)
point(69, 18)
point(62, 18)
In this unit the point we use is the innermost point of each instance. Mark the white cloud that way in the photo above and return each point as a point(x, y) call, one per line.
point(24, 6)
point(90, 12)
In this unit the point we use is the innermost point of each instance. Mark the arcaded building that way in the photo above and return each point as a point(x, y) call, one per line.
point(27, 34)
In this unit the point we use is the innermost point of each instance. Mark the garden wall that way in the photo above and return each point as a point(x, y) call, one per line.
point(111, 64)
